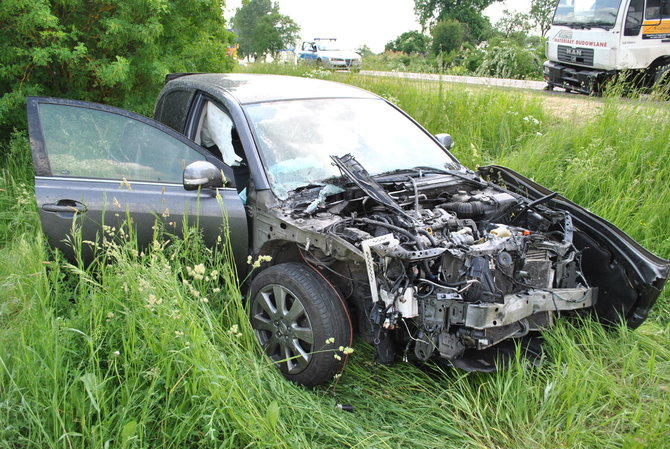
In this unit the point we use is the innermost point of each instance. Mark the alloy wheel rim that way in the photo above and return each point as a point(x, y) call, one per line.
point(283, 328)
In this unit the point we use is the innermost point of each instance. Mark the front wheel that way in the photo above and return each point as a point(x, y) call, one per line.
point(293, 312)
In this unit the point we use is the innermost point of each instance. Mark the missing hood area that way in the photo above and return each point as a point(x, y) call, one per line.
point(440, 263)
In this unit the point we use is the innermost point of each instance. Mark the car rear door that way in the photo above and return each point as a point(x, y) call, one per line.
point(95, 165)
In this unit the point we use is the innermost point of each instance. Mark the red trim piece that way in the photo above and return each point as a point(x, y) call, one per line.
point(346, 310)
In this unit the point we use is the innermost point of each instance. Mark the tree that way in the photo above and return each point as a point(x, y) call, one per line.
point(105, 51)
point(542, 13)
point(468, 12)
point(539, 18)
point(409, 42)
point(512, 24)
point(447, 36)
point(274, 32)
point(261, 29)
point(246, 20)
point(364, 51)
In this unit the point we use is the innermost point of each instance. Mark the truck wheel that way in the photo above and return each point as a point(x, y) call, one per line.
point(293, 312)
point(662, 81)
point(319, 63)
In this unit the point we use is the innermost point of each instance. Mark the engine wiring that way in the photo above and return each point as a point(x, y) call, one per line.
point(446, 262)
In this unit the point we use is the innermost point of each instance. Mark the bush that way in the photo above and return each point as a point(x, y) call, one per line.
point(508, 59)
point(400, 62)
point(447, 36)
point(409, 42)
point(472, 57)
point(103, 51)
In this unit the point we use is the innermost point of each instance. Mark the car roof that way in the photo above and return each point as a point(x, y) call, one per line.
point(255, 88)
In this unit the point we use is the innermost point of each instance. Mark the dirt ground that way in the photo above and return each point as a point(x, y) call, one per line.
point(571, 106)
point(568, 106)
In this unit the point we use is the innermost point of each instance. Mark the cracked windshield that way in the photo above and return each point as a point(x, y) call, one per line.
point(297, 139)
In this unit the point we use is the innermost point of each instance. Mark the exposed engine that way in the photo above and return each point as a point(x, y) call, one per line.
point(451, 263)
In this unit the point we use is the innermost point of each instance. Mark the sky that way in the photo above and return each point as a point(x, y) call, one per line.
point(358, 22)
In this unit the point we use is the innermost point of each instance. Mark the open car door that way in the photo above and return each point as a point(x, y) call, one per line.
point(95, 165)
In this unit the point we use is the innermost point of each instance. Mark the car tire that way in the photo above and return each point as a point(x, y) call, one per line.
point(319, 63)
point(293, 312)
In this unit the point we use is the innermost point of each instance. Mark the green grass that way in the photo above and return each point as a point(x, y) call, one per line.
point(128, 355)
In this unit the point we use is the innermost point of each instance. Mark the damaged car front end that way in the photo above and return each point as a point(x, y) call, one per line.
point(437, 261)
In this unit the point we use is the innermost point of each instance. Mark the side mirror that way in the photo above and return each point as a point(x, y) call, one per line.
point(446, 140)
point(203, 175)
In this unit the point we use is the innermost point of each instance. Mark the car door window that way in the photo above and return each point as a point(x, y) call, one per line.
point(91, 143)
point(172, 109)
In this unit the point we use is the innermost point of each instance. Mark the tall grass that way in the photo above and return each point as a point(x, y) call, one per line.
point(127, 354)
point(616, 164)
point(130, 357)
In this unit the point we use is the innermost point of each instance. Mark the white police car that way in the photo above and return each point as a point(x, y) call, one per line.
point(324, 52)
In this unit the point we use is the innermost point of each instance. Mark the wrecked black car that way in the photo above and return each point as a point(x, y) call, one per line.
point(367, 224)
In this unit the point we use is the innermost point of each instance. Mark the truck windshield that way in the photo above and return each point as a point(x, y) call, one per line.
point(297, 138)
point(587, 13)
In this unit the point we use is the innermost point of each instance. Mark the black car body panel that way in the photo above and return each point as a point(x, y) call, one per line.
point(629, 277)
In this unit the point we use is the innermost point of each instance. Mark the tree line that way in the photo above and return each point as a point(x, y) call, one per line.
point(456, 37)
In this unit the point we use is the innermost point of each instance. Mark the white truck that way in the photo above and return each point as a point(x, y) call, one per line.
point(590, 41)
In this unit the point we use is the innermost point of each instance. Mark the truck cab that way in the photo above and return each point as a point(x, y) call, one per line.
point(590, 41)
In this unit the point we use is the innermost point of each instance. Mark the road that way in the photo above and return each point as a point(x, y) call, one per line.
point(498, 82)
